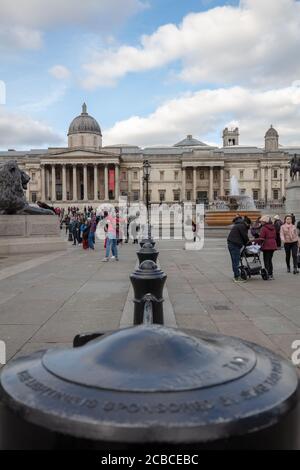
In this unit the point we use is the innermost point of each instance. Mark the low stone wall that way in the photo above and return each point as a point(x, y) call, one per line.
point(21, 234)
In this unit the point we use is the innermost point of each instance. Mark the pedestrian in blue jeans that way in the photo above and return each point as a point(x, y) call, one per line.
point(111, 238)
point(237, 239)
point(111, 245)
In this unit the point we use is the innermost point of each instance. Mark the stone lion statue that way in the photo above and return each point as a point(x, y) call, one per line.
point(13, 182)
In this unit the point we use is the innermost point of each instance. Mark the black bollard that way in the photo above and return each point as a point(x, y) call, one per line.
point(148, 278)
point(147, 252)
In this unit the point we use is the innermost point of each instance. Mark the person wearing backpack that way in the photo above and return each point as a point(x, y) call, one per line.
point(237, 239)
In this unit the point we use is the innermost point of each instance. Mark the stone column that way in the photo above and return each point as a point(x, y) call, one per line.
point(194, 184)
point(48, 184)
point(117, 182)
point(269, 194)
point(95, 182)
point(85, 183)
point(53, 183)
point(141, 184)
point(129, 180)
point(289, 175)
point(43, 184)
point(74, 195)
point(262, 183)
point(282, 181)
point(106, 182)
point(64, 183)
point(221, 182)
point(211, 184)
point(183, 184)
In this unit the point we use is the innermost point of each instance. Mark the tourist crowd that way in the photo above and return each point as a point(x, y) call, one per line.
point(268, 235)
point(81, 227)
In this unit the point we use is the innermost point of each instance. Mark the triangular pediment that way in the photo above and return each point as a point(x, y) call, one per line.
point(81, 153)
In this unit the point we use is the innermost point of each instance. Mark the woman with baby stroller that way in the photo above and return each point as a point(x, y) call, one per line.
point(267, 239)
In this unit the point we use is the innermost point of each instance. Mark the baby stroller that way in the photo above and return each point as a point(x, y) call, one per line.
point(250, 264)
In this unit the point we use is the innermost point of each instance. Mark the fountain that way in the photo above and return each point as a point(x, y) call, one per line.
point(222, 212)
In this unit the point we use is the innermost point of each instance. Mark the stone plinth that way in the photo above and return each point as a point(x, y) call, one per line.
point(292, 203)
point(21, 234)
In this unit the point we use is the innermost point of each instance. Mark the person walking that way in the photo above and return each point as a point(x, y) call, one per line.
point(277, 224)
point(91, 237)
point(237, 239)
point(267, 237)
point(85, 228)
point(75, 231)
point(111, 238)
point(289, 237)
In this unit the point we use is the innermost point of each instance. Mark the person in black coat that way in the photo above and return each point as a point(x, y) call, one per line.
point(237, 239)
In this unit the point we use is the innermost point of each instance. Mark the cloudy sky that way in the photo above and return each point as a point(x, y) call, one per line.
point(151, 71)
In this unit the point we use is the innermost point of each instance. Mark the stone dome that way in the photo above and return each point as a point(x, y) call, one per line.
point(84, 123)
point(190, 141)
point(272, 132)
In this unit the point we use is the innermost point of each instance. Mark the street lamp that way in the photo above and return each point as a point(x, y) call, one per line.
point(146, 171)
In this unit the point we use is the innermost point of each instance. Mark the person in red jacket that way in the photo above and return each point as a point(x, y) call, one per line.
point(267, 238)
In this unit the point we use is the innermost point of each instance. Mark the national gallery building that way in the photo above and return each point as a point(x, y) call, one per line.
point(86, 173)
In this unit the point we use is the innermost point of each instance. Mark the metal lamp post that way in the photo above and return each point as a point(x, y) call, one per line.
point(146, 170)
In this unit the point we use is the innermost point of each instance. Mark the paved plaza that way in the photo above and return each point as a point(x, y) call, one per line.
point(45, 300)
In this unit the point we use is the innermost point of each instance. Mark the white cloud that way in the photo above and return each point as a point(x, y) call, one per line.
point(22, 23)
point(205, 113)
point(256, 42)
point(20, 130)
point(60, 72)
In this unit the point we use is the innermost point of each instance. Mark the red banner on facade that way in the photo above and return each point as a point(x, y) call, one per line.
point(111, 180)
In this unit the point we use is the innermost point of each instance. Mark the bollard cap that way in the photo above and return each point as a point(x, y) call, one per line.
point(151, 383)
point(148, 269)
point(148, 248)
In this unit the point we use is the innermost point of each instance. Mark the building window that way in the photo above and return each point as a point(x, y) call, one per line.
point(71, 141)
point(95, 141)
point(123, 175)
point(33, 197)
point(33, 177)
point(227, 174)
point(188, 195)
point(255, 174)
point(135, 195)
point(215, 195)
point(135, 175)
point(176, 175)
point(275, 194)
point(275, 174)
point(176, 193)
point(241, 174)
point(162, 195)
point(243, 191)
point(161, 175)
point(215, 177)
point(255, 194)
point(202, 175)
point(227, 192)
point(82, 141)
point(189, 176)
